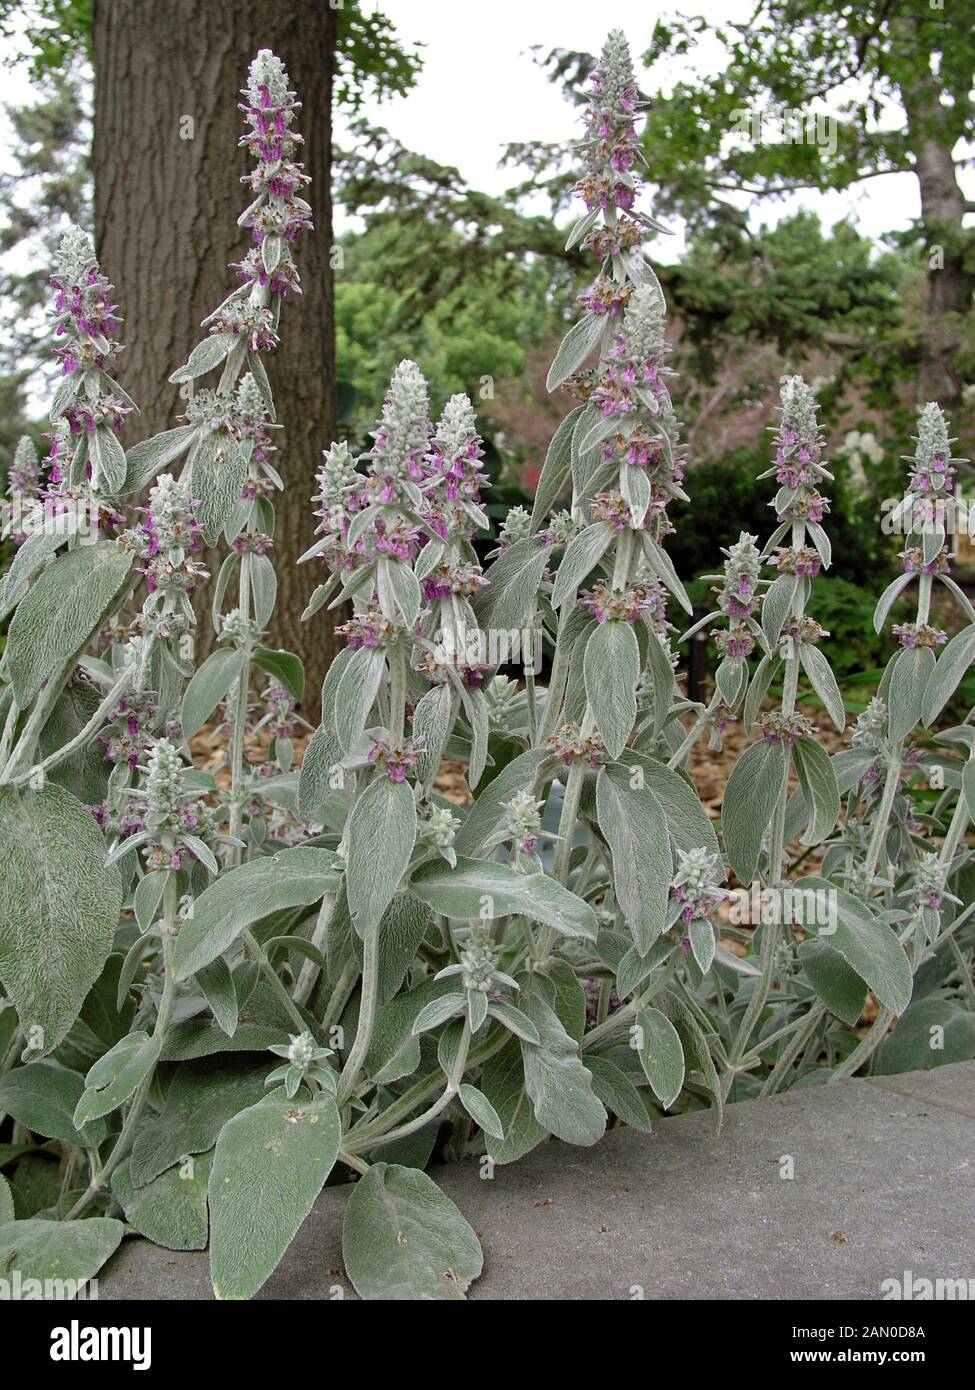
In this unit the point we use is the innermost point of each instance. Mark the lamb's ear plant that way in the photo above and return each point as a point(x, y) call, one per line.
point(227, 986)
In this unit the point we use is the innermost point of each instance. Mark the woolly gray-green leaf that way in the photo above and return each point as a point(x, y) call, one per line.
point(216, 471)
point(868, 945)
point(575, 347)
point(953, 664)
point(635, 827)
point(511, 596)
point(404, 1240)
point(818, 781)
point(59, 1251)
point(909, 678)
point(478, 886)
point(618, 1093)
point(144, 461)
point(204, 357)
point(754, 787)
point(931, 1033)
point(661, 675)
point(488, 813)
point(833, 981)
point(888, 598)
point(661, 1055)
point(558, 1084)
point(217, 985)
point(356, 693)
point(208, 687)
point(202, 1096)
point(320, 768)
point(264, 586)
point(290, 878)
point(481, 1111)
point(820, 673)
point(776, 606)
point(382, 833)
point(172, 1209)
point(285, 668)
point(107, 459)
point(514, 1020)
point(556, 470)
point(503, 1082)
point(689, 824)
point(61, 611)
point(432, 720)
point(612, 668)
point(117, 1075)
point(582, 554)
point(399, 591)
point(42, 1097)
point(58, 911)
point(270, 1164)
point(968, 787)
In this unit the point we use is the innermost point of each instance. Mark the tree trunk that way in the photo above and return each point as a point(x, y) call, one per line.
point(951, 283)
point(167, 171)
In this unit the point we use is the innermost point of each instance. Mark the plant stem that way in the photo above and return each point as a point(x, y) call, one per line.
point(13, 1051)
point(770, 940)
point(340, 996)
point(273, 979)
point(611, 1026)
point(309, 972)
point(123, 1143)
point(419, 1091)
point(778, 1073)
point(968, 987)
point(397, 694)
point(556, 684)
point(868, 1045)
point(532, 709)
point(367, 1017)
point(240, 716)
point(882, 819)
point(93, 726)
point(454, 1079)
point(38, 717)
point(567, 820)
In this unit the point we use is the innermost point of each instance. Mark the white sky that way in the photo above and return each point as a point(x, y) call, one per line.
point(480, 88)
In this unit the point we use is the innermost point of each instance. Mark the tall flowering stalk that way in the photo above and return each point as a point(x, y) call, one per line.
point(395, 529)
point(754, 810)
point(914, 689)
point(23, 486)
point(89, 400)
point(738, 591)
point(227, 438)
point(624, 456)
point(903, 699)
point(76, 505)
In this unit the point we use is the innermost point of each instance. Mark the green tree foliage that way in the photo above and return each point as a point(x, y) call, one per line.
point(897, 77)
point(470, 331)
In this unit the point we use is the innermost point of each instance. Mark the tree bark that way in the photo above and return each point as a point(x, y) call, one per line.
point(951, 283)
point(167, 171)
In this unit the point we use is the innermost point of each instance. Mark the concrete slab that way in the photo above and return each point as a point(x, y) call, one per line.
point(882, 1181)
